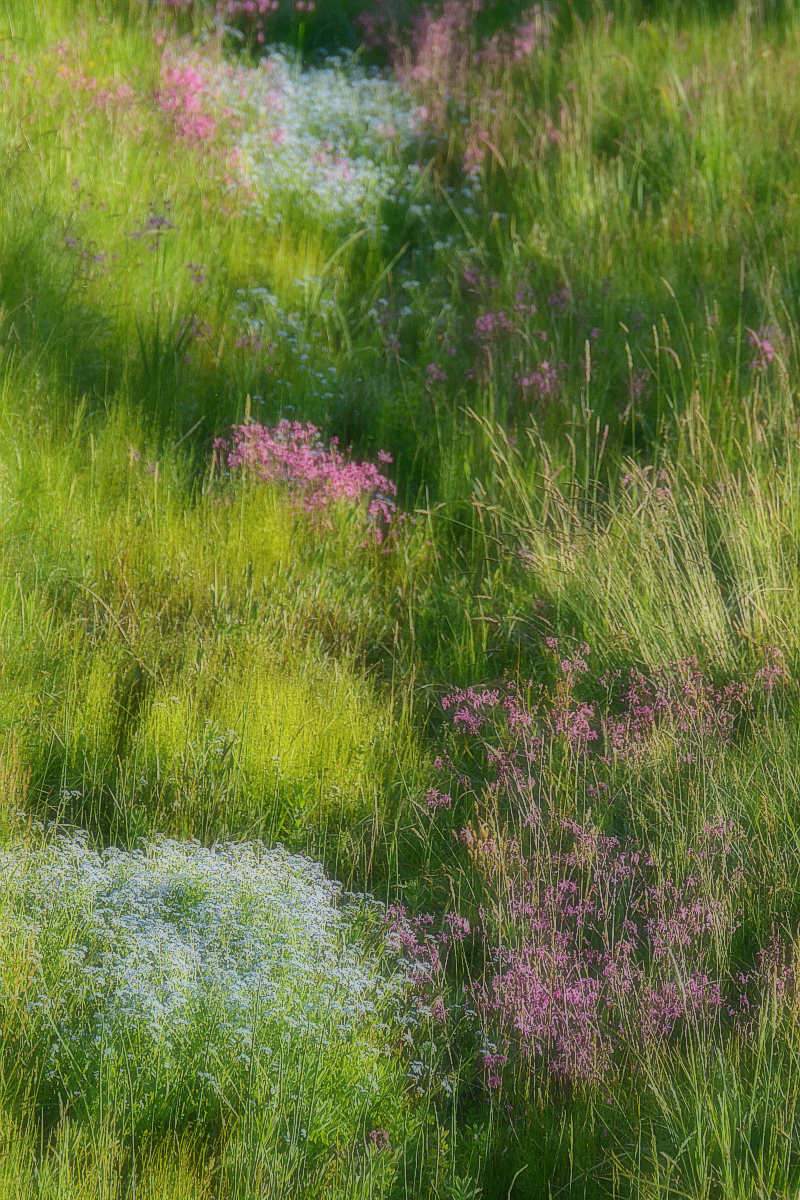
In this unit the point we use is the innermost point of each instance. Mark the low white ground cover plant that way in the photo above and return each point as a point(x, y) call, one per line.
point(333, 137)
point(181, 982)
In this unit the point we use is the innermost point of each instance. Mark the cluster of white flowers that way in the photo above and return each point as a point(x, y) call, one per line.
point(332, 138)
point(236, 948)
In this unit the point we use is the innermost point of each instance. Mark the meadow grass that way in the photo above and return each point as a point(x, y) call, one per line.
point(566, 305)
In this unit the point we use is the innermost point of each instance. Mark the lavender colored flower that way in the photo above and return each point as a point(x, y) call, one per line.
point(544, 381)
point(379, 1139)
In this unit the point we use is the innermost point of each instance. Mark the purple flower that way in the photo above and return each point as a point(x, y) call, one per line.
point(489, 324)
point(545, 381)
point(436, 800)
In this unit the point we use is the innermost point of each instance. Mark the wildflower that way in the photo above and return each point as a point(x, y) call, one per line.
point(761, 341)
point(489, 324)
point(434, 374)
point(436, 800)
point(773, 671)
point(639, 385)
point(293, 454)
point(494, 1064)
point(177, 934)
point(544, 381)
point(379, 1139)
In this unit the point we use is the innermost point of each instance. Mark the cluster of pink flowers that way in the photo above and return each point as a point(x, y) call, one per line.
point(102, 97)
point(469, 705)
point(183, 94)
point(441, 37)
point(489, 325)
point(478, 139)
point(679, 700)
point(443, 57)
point(609, 956)
point(434, 800)
point(379, 1139)
point(545, 381)
point(434, 375)
point(318, 475)
point(437, 38)
point(680, 696)
point(773, 671)
point(531, 35)
point(762, 342)
point(639, 384)
point(586, 950)
point(589, 952)
point(504, 335)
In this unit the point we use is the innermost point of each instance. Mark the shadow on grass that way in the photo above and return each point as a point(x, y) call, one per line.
point(51, 330)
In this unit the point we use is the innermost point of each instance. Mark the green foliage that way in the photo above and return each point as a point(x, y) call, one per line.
point(187, 654)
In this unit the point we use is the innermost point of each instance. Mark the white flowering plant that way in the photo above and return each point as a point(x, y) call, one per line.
point(183, 984)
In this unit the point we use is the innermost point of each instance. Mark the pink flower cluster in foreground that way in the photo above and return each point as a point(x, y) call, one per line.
point(317, 475)
point(587, 950)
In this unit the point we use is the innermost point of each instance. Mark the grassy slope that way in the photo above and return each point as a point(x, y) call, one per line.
point(188, 657)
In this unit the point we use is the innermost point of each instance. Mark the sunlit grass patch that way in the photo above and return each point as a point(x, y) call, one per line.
point(291, 747)
point(190, 654)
